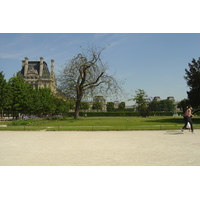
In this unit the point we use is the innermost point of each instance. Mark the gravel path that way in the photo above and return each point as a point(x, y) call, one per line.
point(99, 148)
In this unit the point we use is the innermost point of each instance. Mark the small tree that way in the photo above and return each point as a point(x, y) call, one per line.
point(155, 106)
point(142, 102)
point(122, 106)
point(3, 93)
point(85, 106)
point(97, 106)
point(19, 94)
point(110, 106)
point(84, 74)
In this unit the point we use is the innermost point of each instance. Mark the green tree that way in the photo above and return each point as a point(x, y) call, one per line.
point(3, 93)
point(19, 94)
point(85, 74)
point(61, 106)
point(183, 104)
point(110, 106)
point(193, 81)
point(163, 105)
point(142, 101)
point(155, 106)
point(43, 102)
point(122, 106)
point(166, 105)
point(97, 106)
point(22, 98)
point(85, 106)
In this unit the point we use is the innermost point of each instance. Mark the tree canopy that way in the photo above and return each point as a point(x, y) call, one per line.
point(193, 81)
point(110, 106)
point(163, 105)
point(17, 96)
point(4, 101)
point(142, 100)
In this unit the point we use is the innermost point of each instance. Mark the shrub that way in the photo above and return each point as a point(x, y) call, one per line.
point(120, 113)
point(27, 122)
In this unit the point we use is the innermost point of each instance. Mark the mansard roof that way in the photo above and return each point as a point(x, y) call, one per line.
point(35, 65)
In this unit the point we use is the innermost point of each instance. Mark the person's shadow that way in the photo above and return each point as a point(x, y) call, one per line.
point(173, 132)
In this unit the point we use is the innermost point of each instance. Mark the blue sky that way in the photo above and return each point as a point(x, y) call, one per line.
point(154, 62)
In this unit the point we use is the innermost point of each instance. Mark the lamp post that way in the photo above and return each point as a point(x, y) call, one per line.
point(127, 119)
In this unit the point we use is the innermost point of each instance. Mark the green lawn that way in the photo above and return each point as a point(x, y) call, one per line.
point(103, 123)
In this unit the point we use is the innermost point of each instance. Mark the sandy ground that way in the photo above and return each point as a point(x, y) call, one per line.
point(99, 148)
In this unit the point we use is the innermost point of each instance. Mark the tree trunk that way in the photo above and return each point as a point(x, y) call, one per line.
point(77, 108)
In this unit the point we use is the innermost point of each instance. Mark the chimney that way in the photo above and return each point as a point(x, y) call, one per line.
point(23, 63)
point(52, 66)
point(41, 65)
point(25, 66)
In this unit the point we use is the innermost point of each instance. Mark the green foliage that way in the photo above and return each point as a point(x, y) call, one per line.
point(17, 96)
point(183, 104)
point(142, 101)
point(163, 105)
point(44, 103)
point(56, 118)
point(122, 106)
point(110, 106)
point(121, 113)
point(27, 122)
point(85, 106)
point(97, 106)
point(3, 92)
point(62, 107)
point(193, 81)
point(104, 123)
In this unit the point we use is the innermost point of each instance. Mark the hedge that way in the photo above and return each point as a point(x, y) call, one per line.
point(117, 114)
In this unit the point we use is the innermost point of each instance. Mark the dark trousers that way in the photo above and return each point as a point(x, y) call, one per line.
point(186, 120)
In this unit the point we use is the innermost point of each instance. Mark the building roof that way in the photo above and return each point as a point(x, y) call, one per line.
point(35, 65)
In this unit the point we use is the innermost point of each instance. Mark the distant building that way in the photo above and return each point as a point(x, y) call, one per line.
point(36, 73)
point(116, 104)
point(157, 98)
point(171, 98)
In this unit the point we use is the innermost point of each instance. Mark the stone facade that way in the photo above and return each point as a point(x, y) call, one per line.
point(36, 73)
point(171, 98)
point(157, 98)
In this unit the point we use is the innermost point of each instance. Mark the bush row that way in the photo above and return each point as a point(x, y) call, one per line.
point(112, 114)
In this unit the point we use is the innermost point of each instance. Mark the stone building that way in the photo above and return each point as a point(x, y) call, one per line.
point(156, 98)
point(36, 73)
point(171, 98)
point(116, 104)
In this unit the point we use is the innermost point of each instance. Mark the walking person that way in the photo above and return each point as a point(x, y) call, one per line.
point(187, 118)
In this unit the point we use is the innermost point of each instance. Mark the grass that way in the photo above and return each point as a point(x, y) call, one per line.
point(101, 123)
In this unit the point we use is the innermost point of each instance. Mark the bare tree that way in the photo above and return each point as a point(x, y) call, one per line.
point(85, 74)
